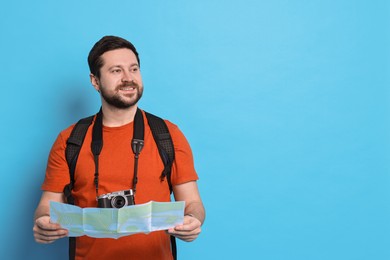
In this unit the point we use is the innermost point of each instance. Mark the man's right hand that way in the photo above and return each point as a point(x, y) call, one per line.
point(46, 232)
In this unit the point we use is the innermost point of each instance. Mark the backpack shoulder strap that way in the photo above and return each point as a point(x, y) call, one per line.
point(73, 146)
point(164, 143)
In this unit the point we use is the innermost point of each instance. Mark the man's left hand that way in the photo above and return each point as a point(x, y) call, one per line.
point(188, 231)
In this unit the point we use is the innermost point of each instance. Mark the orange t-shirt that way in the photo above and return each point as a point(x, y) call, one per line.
point(116, 166)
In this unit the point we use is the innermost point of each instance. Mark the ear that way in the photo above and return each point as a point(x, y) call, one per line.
point(95, 82)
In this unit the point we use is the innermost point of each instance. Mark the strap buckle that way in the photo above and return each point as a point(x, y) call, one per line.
point(137, 145)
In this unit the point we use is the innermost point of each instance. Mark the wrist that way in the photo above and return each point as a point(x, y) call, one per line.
point(192, 216)
point(42, 215)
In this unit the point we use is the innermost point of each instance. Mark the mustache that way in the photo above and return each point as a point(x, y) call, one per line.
point(128, 84)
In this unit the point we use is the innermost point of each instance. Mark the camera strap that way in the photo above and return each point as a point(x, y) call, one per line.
point(137, 144)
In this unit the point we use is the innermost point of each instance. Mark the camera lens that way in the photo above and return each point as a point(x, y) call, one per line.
point(118, 202)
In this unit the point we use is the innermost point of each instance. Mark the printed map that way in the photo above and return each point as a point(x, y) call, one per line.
point(115, 223)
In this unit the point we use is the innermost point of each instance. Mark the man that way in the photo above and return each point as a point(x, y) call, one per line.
point(115, 74)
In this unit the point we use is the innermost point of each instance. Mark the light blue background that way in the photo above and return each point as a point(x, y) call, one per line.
point(285, 104)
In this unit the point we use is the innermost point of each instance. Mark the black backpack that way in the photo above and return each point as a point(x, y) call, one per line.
point(161, 136)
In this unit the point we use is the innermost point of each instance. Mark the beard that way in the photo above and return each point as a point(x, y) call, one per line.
point(120, 102)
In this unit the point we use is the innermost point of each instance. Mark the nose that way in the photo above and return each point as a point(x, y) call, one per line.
point(127, 77)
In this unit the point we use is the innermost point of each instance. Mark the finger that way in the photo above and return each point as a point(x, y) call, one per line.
point(45, 225)
point(49, 228)
point(47, 238)
point(183, 234)
point(188, 226)
point(62, 232)
point(50, 233)
point(185, 228)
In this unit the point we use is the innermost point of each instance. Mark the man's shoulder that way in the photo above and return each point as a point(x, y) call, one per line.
point(172, 127)
point(65, 133)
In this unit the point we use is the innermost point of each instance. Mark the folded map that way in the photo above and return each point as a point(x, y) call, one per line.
point(115, 223)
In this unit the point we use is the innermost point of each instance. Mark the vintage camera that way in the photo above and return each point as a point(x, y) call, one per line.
point(117, 199)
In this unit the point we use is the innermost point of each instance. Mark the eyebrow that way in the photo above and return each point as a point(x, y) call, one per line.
point(114, 66)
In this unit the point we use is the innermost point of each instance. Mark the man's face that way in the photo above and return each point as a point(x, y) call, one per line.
point(120, 82)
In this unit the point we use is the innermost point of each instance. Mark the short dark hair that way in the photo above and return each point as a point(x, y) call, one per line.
point(107, 43)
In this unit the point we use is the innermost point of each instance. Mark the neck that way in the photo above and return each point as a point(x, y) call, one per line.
point(114, 117)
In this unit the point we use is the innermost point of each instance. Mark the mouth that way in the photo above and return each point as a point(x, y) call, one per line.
point(127, 88)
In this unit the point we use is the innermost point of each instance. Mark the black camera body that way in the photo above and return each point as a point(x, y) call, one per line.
point(117, 199)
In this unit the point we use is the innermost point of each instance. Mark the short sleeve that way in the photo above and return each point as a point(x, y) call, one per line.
point(57, 172)
point(183, 169)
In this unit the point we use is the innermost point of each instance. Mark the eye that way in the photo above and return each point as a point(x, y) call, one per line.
point(116, 71)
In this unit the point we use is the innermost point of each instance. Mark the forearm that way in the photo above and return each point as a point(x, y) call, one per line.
point(45, 231)
point(189, 193)
point(43, 208)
